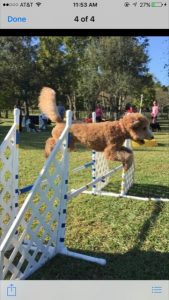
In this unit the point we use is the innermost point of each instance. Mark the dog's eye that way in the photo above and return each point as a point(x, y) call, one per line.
point(144, 128)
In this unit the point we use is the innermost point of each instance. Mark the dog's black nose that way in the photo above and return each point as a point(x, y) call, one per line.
point(152, 137)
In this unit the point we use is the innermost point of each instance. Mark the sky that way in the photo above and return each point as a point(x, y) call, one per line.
point(159, 55)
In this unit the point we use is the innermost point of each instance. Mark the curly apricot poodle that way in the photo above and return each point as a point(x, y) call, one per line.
point(107, 137)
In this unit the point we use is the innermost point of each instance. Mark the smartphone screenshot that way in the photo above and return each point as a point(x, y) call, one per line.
point(84, 150)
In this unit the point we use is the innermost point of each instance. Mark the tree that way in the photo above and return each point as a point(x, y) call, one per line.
point(162, 96)
point(17, 56)
point(166, 65)
point(115, 65)
point(59, 63)
point(80, 69)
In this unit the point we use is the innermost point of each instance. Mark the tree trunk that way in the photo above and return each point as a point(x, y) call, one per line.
point(6, 114)
point(74, 107)
point(119, 103)
point(69, 102)
point(26, 108)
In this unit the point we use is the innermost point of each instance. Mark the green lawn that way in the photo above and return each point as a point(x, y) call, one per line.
point(132, 235)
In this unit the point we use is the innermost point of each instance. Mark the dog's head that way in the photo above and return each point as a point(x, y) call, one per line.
point(137, 126)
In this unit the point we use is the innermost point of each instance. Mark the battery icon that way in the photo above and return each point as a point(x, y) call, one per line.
point(156, 4)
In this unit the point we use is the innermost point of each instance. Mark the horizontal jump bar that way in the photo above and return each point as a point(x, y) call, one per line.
point(25, 189)
point(85, 166)
point(28, 188)
point(116, 195)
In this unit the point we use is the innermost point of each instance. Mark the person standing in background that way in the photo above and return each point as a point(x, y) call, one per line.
point(128, 108)
point(99, 113)
point(154, 112)
point(61, 110)
point(43, 121)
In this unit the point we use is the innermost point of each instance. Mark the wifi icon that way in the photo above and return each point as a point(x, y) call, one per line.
point(38, 3)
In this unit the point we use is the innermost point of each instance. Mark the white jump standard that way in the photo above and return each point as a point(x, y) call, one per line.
point(9, 177)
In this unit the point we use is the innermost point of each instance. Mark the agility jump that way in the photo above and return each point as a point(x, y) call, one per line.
point(33, 236)
point(9, 176)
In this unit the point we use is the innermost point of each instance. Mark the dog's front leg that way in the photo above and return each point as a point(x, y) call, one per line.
point(50, 144)
point(121, 154)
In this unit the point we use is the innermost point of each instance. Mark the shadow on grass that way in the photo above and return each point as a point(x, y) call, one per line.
point(144, 231)
point(149, 190)
point(141, 190)
point(135, 264)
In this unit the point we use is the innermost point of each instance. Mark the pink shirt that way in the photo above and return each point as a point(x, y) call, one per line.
point(98, 112)
point(155, 110)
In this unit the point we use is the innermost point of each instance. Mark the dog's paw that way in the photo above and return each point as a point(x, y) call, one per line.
point(140, 142)
point(128, 163)
point(50, 144)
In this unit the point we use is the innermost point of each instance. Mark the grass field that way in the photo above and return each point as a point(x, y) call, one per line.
point(132, 235)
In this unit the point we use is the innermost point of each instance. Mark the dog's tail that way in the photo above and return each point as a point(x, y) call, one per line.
point(47, 104)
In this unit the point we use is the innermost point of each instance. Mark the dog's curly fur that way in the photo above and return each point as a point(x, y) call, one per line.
point(107, 137)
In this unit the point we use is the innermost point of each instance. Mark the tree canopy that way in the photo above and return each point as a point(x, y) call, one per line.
point(80, 69)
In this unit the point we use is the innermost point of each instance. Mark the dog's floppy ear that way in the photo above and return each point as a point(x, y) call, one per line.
point(136, 123)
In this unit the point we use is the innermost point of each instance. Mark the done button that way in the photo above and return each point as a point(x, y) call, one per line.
point(12, 19)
